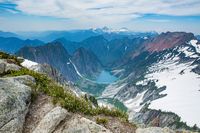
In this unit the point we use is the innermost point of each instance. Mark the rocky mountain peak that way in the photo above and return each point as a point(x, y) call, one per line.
point(168, 40)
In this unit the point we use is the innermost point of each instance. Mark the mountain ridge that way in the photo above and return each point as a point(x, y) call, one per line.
point(57, 56)
point(12, 44)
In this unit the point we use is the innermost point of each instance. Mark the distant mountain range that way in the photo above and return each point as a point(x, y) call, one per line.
point(78, 35)
point(8, 34)
point(74, 38)
point(13, 44)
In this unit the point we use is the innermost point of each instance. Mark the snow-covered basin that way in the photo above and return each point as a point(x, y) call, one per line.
point(183, 90)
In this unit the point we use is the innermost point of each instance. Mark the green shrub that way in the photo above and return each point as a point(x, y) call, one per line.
point(103, 121)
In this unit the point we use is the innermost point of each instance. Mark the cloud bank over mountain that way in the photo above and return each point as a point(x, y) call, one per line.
point(95, 13)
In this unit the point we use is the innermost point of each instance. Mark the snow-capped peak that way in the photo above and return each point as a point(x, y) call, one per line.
point(124, 29)
point(104, 29)
point(110, 30)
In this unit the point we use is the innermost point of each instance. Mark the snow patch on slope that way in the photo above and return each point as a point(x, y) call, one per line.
point(187, 52)
point(30, 65)
point(182, 89)
point(134, 104)
point(79, 74)
point(194, 44)
point(142, 82)
point(125, 48)
point(112, 90)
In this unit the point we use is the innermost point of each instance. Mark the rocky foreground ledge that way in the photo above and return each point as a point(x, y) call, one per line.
point(42, 116)
point(19, 113)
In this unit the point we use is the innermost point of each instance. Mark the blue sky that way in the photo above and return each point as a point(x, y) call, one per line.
point(136, 15)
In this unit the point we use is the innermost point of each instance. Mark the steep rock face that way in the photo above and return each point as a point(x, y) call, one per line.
point(155, 118)
point(83, 63)
point(15, 99)
point(53, 54)
point(52, 73)
point(86, 62)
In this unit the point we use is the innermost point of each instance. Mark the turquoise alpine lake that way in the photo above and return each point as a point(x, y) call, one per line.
point(106, 77)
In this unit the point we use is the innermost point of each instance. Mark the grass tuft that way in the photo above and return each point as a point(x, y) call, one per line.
point(102, 121)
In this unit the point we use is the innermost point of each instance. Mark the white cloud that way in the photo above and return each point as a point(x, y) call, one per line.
point(63, 8)
point(82, 8)
point(106, 12)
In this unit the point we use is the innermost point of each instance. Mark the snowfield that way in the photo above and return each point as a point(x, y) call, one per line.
point(182, 84)
point(183, 89)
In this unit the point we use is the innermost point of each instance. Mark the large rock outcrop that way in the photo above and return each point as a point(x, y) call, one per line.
point(6, 66)
point(51, 120)
point(78, 124)
point(44, 117)
point(15, 99)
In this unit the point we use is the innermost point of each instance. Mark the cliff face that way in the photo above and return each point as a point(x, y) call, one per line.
point(53, 54)
point(87, 63)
